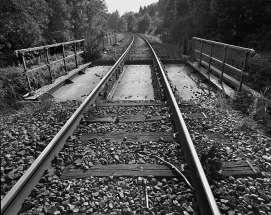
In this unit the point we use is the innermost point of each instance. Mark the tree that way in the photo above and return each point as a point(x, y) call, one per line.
point(78, 18)
point(144, 24)
point(59, 21)
point(122, 25)
point(140, 9)
point(131, 23)
point(88, 18)
point(22, 23)
point(113, 20)
point(158, 24)
point(96, 19)
point(152, 11)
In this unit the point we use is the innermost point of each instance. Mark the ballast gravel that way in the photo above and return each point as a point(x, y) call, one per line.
point(25, 135)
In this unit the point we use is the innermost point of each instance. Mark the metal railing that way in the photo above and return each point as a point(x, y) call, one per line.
point(48, 63)
point(247, 53)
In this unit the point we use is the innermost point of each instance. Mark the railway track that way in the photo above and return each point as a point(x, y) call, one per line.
point(114, 155)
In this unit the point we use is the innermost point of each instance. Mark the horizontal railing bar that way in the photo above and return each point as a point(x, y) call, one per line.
point(54, 62)
point(48, 46)
point(252, 51)
point(219, 61)
point(37, 68)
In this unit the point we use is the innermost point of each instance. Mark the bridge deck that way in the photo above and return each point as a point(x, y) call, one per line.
point(82, 84)
point(136, 84)
point(187, 83)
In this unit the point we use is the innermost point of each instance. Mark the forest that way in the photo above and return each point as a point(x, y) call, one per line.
point(238, 22)
point(32, 23)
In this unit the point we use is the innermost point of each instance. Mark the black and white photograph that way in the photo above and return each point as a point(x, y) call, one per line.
point(135, 107)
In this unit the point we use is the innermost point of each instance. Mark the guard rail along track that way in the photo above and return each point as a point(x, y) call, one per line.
point(12, 202)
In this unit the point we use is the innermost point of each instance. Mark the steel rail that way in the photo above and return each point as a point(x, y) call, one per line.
point(207, 203)
point(12, 202)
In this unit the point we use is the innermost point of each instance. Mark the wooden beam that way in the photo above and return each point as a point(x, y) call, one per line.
point(131, 136)
point(240, 169)
point(126, 104)
point(119, 170)
point(127, 118)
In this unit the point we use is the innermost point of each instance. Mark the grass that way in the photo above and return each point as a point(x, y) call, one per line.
point(30, 108)
point(221, 101)
point(246, 123)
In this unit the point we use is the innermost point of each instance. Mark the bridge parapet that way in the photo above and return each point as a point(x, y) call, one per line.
point(199, 42)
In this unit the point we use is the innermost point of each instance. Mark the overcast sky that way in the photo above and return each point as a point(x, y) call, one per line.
point(127, 5)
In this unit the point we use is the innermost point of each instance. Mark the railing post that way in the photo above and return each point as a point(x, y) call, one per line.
point(185, 45)
point(192, 49)
point(64, 61)
point(210, 60)
point(201, 48)
point(84, 49)
point(75, 56)
point(223, 65)
point(25, 72)
point(243, 71)
point(48, 64)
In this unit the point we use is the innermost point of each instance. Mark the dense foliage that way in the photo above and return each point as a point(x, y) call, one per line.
point(240, 22)
point(30, 23)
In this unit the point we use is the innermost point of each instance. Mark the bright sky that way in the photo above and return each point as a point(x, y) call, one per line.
point(127, 5)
